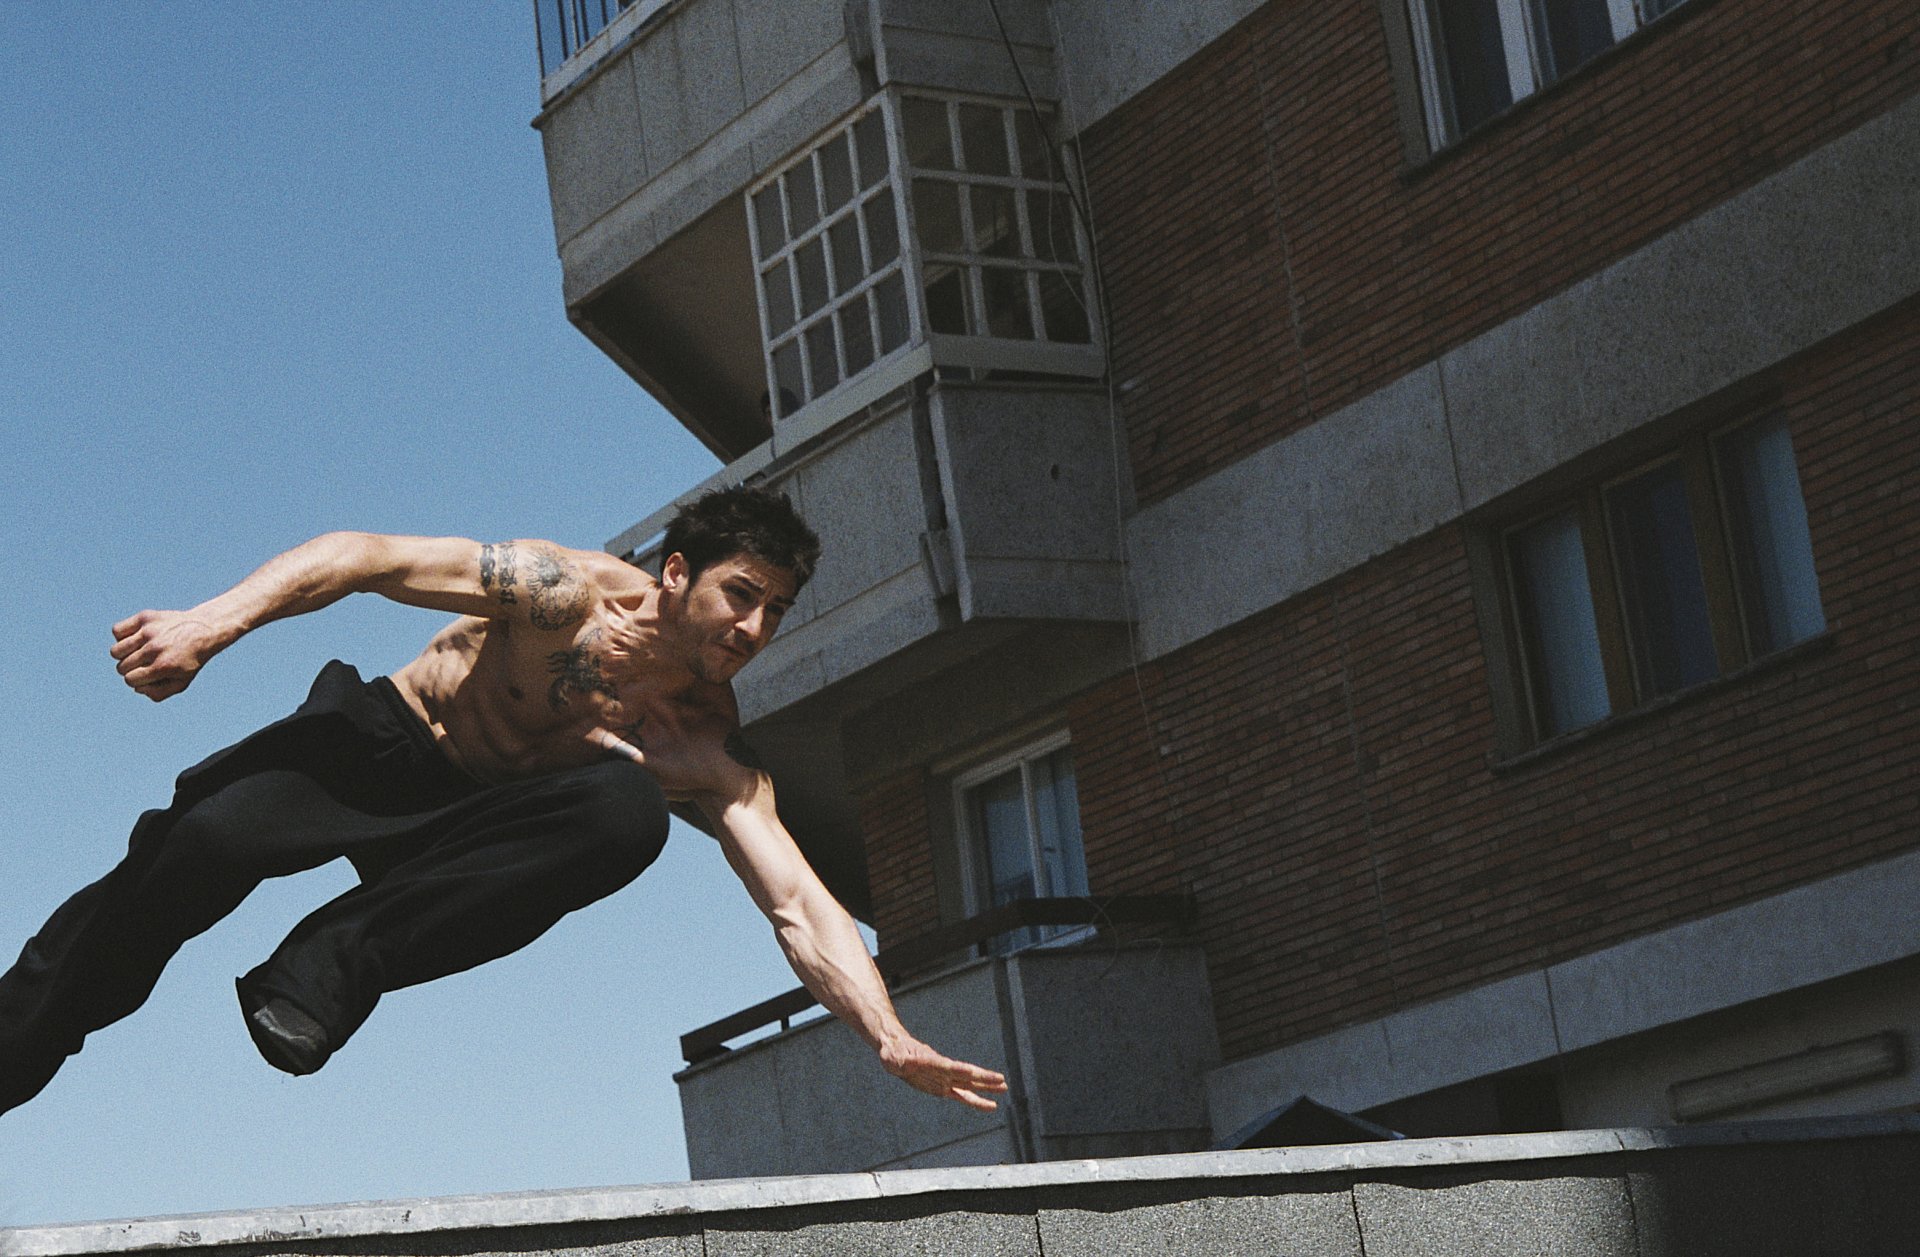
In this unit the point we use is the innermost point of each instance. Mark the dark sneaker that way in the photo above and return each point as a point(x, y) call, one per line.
point(291, 1041)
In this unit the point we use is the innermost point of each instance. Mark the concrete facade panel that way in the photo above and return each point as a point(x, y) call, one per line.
point(864, 495)
point(732, 1118)
point(882, 622)
point(993, 1147)
point(1809, 934)
point(1294, 514)
point(1114, 49)
point(1341, 1069)
point(777, 41)
point(1115, 1041)
point(1544, 1217)
point(956, 1234)
point(596, 153)
point(827, 91)
point(1317, 1223)
point(687, 75)
point(962, 63)
point(1491, 1028)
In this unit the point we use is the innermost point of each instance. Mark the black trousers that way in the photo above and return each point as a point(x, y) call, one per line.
point(453, 873)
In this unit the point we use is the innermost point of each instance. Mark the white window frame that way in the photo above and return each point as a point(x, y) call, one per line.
point(975, 895)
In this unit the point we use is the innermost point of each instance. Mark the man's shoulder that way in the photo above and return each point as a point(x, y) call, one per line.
point(609, 574)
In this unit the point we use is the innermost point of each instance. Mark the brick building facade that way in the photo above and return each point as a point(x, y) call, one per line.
point(1478, 571)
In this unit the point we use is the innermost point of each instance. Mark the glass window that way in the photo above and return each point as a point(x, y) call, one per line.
point(1773, 550)
point(1477, 57)
point(1558, 631)
point(1021, 822)
point(1661, 584)
point(827, 239)
point(1675, 575)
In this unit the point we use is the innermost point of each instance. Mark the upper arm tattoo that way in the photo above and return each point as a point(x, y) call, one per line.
point(741, 753)
point(560, 596)
point(497, 574)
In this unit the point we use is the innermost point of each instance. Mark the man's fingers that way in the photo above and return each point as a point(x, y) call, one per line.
point(125, 644)
point(131, 623)
point(972, 1100)
point(135, 659)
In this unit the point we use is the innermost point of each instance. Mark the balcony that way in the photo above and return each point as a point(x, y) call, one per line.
point(1104, 1045)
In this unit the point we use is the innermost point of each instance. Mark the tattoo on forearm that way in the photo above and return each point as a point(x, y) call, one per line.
point(497, 574)
point(559, 595)
point(577, 671)
point(741, 753)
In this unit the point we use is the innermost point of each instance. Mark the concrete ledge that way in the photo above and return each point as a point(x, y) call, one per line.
point(469, 1224)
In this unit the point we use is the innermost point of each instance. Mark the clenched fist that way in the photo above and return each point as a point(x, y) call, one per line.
point(160, 652)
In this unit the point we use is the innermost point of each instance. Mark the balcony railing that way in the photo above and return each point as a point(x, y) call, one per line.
point(563, 28)
point(950, 942)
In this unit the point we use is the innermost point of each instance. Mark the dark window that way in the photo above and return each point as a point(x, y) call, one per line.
point(1683, 570)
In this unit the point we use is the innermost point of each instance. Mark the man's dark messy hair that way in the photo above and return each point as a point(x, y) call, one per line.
point(743, 520)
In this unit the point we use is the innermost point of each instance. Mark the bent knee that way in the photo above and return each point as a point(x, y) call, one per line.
point(621, 808)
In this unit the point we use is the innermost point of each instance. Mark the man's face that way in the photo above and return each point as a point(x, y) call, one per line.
point(730, 612)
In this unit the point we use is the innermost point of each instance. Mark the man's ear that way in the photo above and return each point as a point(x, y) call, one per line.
point(673, 572)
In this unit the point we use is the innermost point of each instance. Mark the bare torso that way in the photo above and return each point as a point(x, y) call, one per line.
point(505, 699)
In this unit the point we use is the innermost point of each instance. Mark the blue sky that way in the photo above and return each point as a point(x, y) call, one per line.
point(268, 270)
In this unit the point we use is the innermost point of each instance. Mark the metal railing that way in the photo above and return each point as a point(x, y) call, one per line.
point(563, 27)
point(947, 942)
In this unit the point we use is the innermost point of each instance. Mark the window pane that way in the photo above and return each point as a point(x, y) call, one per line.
point(766, 216)
point(870, 148)
point(929, 141)
point(803, 206)
point(786, 370)
point(1773, 552)
point(936, 215)
point(1036, 156)
point(1056, 808)
point(1660, 582)
point(883, 232)
point(1570, 32)
point(836, 169)
point(1000, 828)
point(820, 356)
point(1064, 308)
point(856, 334)
point(983, 140)
point(1555, 605)
point(1050, 216)
point(890, 303)
point(996, 223)
point(1473, 57)
point(844, 236)
point(779, 299)
point(947, 300)
point(811, 258)
point(1008, 314)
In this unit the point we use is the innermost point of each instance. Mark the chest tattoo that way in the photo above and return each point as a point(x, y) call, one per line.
point(559, 595)
point(577, 671)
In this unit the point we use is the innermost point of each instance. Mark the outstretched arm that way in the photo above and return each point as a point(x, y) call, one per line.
point(823, 946)
point(160, 652)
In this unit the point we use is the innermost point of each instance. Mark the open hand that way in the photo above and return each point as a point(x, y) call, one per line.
point(160, 652)
point(926, 1070)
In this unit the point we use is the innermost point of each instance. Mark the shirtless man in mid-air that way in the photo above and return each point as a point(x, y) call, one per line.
point(519, 769)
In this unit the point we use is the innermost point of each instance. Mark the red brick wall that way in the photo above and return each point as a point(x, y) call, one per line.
point(893, 820)
point(1270, 257)
point(1319, 775)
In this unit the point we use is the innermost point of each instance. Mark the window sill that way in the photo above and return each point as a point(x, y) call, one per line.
point(1816, 645)
point(1418, 168)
